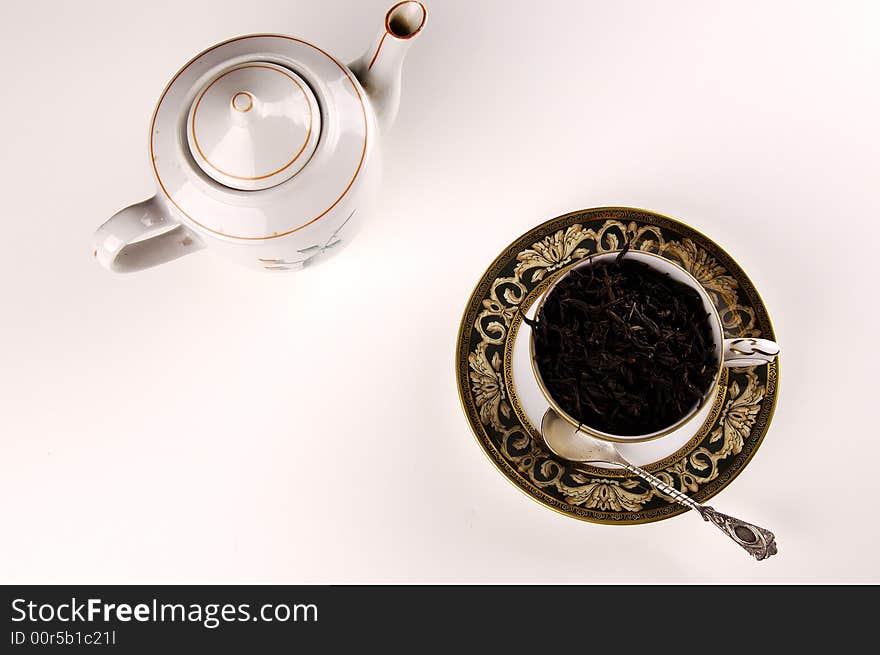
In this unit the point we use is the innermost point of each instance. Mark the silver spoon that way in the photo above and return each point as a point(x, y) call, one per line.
point(566, 441)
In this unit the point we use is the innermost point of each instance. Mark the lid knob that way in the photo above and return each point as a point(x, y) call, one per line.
point(254, 126)
point(242, 101)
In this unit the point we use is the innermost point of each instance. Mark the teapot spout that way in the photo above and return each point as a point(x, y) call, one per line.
point(379, 68)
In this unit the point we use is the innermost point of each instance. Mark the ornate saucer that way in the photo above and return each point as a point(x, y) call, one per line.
point(504, 405)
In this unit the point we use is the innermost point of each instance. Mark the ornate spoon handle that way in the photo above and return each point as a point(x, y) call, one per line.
point(757, 542)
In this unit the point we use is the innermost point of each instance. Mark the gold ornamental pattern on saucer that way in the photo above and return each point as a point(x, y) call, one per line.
point(708, 462)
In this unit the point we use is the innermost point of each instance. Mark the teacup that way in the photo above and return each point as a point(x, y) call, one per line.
point(729, 353)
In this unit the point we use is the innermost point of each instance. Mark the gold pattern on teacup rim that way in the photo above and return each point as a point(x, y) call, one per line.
point(725, 444)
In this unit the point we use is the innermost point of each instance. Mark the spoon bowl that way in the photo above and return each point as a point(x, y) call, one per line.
point(567, 442)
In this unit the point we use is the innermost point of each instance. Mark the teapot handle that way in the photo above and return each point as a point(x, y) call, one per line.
point(141, 236)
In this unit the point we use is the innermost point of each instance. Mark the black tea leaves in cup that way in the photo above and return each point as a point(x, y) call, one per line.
point(623, 348)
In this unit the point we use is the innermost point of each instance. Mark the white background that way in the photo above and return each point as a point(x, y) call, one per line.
point(198, 422)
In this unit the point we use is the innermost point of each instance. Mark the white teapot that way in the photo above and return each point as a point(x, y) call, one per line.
point(264, 148)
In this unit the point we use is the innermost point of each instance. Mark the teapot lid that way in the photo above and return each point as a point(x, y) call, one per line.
point(297, 190)
point(253, 126)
